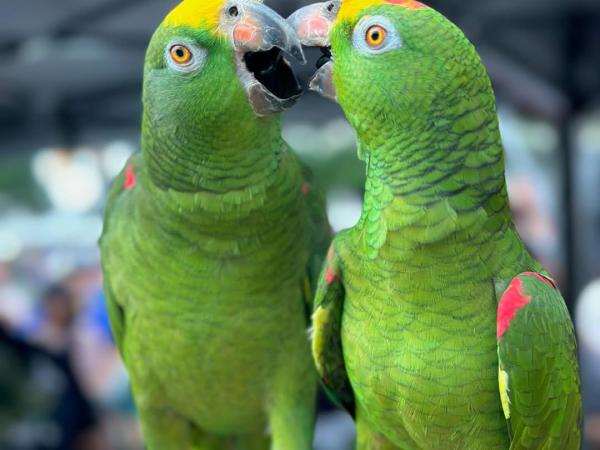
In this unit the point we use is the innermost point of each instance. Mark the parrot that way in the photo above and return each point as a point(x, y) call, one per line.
point(433, 325)
point(213, 238)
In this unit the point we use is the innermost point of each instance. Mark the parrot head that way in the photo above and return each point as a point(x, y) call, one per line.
point(388, 62)
point(215, 79)
point(213, 61)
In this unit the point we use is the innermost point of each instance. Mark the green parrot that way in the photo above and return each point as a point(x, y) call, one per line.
point(433, 325)
point(212, 237)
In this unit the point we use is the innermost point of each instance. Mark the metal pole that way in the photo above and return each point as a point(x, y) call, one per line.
point(572, 46)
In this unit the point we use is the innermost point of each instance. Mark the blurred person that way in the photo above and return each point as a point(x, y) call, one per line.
point(41, 404)
point(102, 373)
point(74, 321)
point(95, 357)
point(53, 331)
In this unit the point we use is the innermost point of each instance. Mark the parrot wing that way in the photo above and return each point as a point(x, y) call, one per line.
point(538, 373)
point(117, 203)
point(320, 231)
point(116, 317)
point(327, 338)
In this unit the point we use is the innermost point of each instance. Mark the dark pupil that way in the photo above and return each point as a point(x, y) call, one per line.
point(180, 53)
point(233, 11)
point(375, 35)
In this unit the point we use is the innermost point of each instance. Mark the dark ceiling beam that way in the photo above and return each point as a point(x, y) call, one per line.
point(130, 41)
point(81, 14)
point(107, 9)
point(532, 12)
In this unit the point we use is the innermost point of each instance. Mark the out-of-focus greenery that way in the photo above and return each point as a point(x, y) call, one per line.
point(340, 170)
point(17, 184)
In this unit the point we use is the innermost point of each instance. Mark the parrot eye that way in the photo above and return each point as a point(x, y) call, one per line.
point(375, 35)
point(184, 57)
point(180, 54)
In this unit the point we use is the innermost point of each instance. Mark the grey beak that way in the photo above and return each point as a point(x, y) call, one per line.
point(312, 25)
point(313, 22)
point(254, 27)
point(322, 82)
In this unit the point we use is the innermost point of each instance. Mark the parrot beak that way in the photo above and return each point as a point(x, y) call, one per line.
point(312, 25)
point(259, 37)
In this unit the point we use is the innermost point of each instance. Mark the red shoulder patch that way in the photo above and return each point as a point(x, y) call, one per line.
point(410, 4)
point(331, 276)
point(512, 301)
point(130, 177)
point(305, 188)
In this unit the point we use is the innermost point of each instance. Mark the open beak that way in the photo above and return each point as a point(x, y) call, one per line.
point(260, 37)
point(312, 25)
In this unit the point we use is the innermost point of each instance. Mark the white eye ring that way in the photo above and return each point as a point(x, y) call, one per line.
point(391, 40)
point(198, 57)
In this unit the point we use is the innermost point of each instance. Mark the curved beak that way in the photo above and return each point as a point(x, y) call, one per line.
point(312, 25)
point(259, 37)
point(254, 27)
point(313, 22)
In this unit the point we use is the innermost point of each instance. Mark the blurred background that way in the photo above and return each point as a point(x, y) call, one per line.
point(70, 87)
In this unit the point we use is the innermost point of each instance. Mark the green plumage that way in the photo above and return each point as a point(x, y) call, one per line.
point(406, 309)
point(208, 247)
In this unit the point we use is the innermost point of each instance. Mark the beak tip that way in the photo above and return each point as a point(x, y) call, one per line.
point(322, 83)
point(296, 52)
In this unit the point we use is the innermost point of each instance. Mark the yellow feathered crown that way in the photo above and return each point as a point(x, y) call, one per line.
point(195, 13)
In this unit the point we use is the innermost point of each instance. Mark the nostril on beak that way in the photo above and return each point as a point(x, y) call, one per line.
point(233, 11)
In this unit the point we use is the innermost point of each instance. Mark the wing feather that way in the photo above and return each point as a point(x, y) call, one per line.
point(537, 352)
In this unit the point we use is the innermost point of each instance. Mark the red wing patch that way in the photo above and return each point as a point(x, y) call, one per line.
point(130, 177)
point(511, 302)
point(410, 4)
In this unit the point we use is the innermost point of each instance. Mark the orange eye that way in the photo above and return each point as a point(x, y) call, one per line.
point(180, 54)
point(375, 35)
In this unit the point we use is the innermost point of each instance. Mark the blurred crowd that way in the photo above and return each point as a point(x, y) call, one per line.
point(64, 387)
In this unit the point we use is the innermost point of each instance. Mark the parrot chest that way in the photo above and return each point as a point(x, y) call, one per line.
point(206, 332)
point(420, 352)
